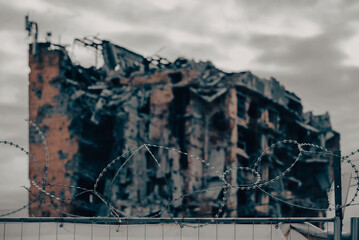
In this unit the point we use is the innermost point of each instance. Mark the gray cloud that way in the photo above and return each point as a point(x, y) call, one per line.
point(10, 17)
point(201, 52)
point(315, 52)
point(144, 43)
point(145, 16)
point(314, 8)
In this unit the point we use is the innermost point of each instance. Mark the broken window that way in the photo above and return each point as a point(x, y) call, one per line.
point(219, 122)
point(85, 202)
point(270, 141)
point(242, 201)
point(254, 110)
point(145, 108)
point(150, 161)
point(177, 120)
point(241, 105)
point(115, 81)
point(258, 196)
point(176, 77)
point(253, 143)
point(292, 184)
point(273, 117)
point(241, 143)
point(242, 161)
point(295, 106)
point(150, 186)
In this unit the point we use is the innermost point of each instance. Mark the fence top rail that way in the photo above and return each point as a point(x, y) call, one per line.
point(117, 221)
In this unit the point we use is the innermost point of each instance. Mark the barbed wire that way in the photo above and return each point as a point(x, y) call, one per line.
point(126, 157)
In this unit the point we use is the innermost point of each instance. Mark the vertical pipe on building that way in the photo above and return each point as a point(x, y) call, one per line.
point(338, 195)
point(206, 126)
point(205, 149)
point(354, 228)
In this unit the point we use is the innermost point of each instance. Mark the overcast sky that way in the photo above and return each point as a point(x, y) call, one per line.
point(311, 47)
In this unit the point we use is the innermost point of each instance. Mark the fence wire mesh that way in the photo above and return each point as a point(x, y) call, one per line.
point(152, 228)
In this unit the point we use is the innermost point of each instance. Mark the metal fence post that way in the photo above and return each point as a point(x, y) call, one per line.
point(337, 228)
point(354, 228)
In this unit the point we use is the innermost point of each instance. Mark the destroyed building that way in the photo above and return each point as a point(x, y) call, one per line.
point(89, 116)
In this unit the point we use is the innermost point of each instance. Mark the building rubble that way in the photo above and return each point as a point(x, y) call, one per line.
point(90, 116)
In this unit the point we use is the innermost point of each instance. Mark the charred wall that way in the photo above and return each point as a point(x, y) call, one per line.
point(48, 109)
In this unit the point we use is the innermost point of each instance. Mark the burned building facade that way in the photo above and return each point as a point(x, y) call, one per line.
point(89, 116)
